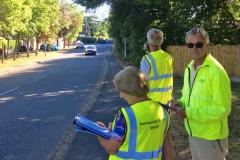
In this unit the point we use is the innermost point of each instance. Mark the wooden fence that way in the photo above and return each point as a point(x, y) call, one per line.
point(227, 55)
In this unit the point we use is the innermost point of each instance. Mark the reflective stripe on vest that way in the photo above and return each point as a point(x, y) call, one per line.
point(131, 153)
point(161, 89)
point(156, 77)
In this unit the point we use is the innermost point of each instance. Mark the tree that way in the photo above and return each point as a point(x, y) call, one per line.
point(28, 29)
point(10, 20)
point(102, 29)
point(92, 3)
point(45, 19)
point(54, 12)
point(95, 28)
point(74, 21)
point(132, 18)
point(13, 15)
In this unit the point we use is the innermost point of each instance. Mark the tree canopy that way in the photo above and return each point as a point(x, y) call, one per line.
point(34, 18)
point(131, 19)
point(95, 28)
point(71, 21)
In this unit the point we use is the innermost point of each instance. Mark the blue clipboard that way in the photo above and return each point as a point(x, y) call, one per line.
point(88, 126)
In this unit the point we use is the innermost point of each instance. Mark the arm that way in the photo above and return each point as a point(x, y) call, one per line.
point(111, 146)
point(220, 104)
point(144, 66)
point(168, 147)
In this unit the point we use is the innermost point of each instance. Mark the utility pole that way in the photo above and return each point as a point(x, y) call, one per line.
point(87, 28)
point(63, 16)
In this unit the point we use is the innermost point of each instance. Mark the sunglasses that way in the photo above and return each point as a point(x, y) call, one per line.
point(197, 45)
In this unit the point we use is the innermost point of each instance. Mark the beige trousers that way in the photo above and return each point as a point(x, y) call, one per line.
point(202, 149)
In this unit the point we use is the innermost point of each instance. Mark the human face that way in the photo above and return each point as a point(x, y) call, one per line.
point(198, 53)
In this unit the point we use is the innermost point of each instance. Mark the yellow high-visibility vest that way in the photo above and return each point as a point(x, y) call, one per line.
point(147, 123)
point(208, 102)
point(160, 76)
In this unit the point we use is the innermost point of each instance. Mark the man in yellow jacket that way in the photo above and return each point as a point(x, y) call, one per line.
point(206, 100)
point(157, 65)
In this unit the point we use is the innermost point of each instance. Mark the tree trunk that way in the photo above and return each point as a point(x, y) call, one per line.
point(2, 53)
point(166, 9)
point(18, 46)
point(37, 43)
point(7, 48)
point(64, 44)
point(28, 45)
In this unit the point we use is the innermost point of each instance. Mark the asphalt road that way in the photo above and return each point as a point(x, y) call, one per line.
point(37, 106)
point(104, 108)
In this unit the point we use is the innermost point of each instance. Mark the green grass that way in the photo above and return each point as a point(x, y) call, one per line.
point(12, 43)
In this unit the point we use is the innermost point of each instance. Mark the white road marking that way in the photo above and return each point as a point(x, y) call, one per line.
point(11, 90)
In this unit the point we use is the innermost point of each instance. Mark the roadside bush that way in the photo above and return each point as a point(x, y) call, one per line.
point(87, 40)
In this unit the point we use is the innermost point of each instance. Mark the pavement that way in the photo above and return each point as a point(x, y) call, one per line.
point(10, 67)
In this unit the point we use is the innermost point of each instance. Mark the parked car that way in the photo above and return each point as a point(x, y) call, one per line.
point(23, 48)
point(43, 47)
point(79, 44)
point(102, 41)
point(109, 41)
point(55, 47)
point(90, 50)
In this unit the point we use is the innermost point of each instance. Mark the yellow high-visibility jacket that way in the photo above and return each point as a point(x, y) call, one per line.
point(208, 102)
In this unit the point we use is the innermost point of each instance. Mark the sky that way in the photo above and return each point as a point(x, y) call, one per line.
point(101, 12)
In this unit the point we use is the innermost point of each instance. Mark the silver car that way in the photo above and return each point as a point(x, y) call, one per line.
point(90, 50)
point(79, 44)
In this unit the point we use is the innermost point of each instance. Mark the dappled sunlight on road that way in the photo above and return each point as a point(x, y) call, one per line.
point(51, 94)
point(59, 117)
point(21, 118)
point(30, 95)
point(35, 119)
point(6, 99)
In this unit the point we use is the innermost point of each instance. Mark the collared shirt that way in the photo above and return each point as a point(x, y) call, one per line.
point(193, 74)
point(145, 67)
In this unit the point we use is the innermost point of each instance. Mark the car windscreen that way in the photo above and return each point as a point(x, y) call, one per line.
point(90, 47)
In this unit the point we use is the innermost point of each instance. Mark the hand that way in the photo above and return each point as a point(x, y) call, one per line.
point(172, 105)
point(181, 113)
point(175, 105)
point(101, 124)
